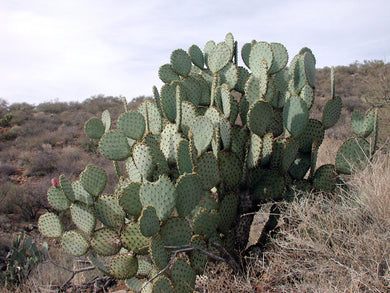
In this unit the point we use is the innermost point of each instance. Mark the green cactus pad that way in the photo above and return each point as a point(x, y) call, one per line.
point(214, 115)
point(123, 266)
point(181, 62)
point(99, 262)
point(169, 140)
point(314, 132)
point(254, 151)
point(158, 252)
point(158, 157)
point(74, 243)
point(231, 168)
point(94, 128)
point(295, 116)
point(149, 223)
point(300, 166)
point(144, 266)
point(226, 100)
point(176, 231)
point(168, 101)
point(114, 146)
point(325, 178)
point(67, 189)
point(259, 117)
point(310, 68)
point(219, 57)
point(229, 75)
point(167, 74)
point(227, 211)
point(109, 212)
point(271, 187)
point(192, 90)
point(307, 94)
point(143, 159)
point(83, 216)
point(225, 133)
point(297, 75)
point(188, 112)
point(132, 171)
point(239, 141)
point(162, 285)
point(255, 89)
point(207, 169)
point(106, 242)
point(93, 179)
point(133, 240)
point(189, 193)
point(161, 195)
point(332, 112)
point(243, 75)
point(49, 225)
point(183, 276)
point(363, 125)
point(245, 53)
point(280, 59)
point(198, 260)
point(129, 199)
point(289, 154)
point(260, 59)
point(183, 157)
point(132, 124)
point(106, 119)
point(203, 130)
point(205, 222)
point(81, 194)
point(353, 155)
point(267, 148)
point(135, 284)
point(196, 55)
point(57, 199)
point(152, 116)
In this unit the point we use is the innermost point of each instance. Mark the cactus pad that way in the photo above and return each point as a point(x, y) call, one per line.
point(205, 222)
point(49, 225)
point(57, 199)
point(158, 252)
point(332, 112)
point(109, 212)
point(183, 276)
point(81, 194)
point(132, 124)
point(259, 117)
point(114, 146)
point(189, 192)
point(219, 57)
point(203, 130)
point(325, 178)
point(74, 243)
point(207, 169)
point(66, 187)
point(161, 195)
point(149, 223)
point(94, 128)
point(106, 242)
point(167, 74)
point(295, 115)
point(176, 231)
point(162, 285)
point(93, 179)
point(133, 240)
point(181, 62)
point(353, 155)
point(83, 216)
point(129, 199)
point(123, 266)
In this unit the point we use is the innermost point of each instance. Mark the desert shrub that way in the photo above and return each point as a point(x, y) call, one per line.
point(24, 255)
point(7, 170)
point(40, 162)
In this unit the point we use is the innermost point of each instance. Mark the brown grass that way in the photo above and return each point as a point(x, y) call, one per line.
point(336, 243)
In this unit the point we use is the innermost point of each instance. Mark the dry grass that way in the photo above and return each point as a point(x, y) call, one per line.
point(338, 243)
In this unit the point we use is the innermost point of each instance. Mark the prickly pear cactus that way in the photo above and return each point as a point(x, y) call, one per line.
point(218, 140)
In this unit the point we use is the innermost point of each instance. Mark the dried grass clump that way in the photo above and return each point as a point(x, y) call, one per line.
point(327, 243)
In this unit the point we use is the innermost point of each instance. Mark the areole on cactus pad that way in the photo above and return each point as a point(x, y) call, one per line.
point(218, 141)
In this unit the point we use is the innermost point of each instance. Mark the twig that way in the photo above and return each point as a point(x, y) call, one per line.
point(74, 273)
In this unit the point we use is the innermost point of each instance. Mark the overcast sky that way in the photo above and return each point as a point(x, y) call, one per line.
point(74, 49)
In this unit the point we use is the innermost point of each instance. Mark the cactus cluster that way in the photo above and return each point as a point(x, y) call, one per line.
point(218, 140)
